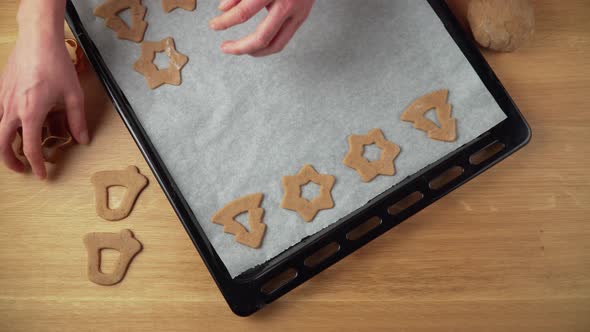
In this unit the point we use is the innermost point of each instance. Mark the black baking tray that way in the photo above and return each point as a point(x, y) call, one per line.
point(262, 285)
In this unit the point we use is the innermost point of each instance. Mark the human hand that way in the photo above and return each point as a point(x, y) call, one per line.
point(38, 77)
point(274, 32)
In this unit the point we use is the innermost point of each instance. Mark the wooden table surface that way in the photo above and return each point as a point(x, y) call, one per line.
point(508, 251)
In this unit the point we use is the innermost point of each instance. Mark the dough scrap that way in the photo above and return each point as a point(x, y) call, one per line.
point(124, 242)
point(501, 25)
point(292, 199)
point(367, 169)
point(154, 76)
point(248, 204)
point(437, 100)
point(109, 11)
point(170, 5)
point(129, 178)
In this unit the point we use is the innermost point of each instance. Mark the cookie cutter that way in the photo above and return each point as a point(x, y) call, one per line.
point(248, 204)
point(292, 199)
point(76, 54)
point(367, 169)
point(152, 74)
point(129, 178)
point(447, 132)
point(55, 137)
point(109, 11)
point(124, 242)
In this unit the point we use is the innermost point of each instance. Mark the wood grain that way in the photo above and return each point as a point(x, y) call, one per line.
point(508, 251)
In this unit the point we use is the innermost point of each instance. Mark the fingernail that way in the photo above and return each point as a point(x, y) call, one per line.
point(212, 24)
point(223, 4)
point(84, 137)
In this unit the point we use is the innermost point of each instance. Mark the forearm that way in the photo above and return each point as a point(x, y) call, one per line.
point(42, 19)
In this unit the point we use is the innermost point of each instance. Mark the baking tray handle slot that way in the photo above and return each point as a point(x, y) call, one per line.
point(486, 153)
point(446, 177)
point(364, 228)
point(321, 255)
point(279, 281)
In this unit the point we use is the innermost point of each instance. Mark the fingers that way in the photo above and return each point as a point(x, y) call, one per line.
point(7, 135)
point(1, 97)
point(262, 37)
point(240, 13)
point(282, 38)
point(32, 145)
point(76, 115)
point(226, 5)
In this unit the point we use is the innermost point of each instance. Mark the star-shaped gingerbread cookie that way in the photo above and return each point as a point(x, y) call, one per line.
point(292, 199)
point(152, 74)
point(367, 169)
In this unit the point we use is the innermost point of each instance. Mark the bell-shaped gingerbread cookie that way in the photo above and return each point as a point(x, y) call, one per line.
point(447, 131)
point(109, 11)
point(129, 178)
point(248, 204)
point(123, 242)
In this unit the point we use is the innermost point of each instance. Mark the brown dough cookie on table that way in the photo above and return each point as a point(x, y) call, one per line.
point(170, 5)
point(129, 178)
point(368, 170)
point(293, 200)
point(501, 25)
point(248, 204)
point(152, 74)
point(109, 11)
point(123, 242)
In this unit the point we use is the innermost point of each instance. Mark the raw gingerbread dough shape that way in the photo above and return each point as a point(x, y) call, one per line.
point(154, 76)
point(248, 204)
point(437, 100)
point(367, 169)
point(292, 199)
point(170, 5)
point(123, 242)
point(129, 178)
point(109, 11)
point(55, 136)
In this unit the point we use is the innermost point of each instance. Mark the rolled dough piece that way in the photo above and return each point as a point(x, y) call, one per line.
point(501, 25)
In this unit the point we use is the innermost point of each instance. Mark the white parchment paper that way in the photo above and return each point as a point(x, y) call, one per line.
point(236, 125)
